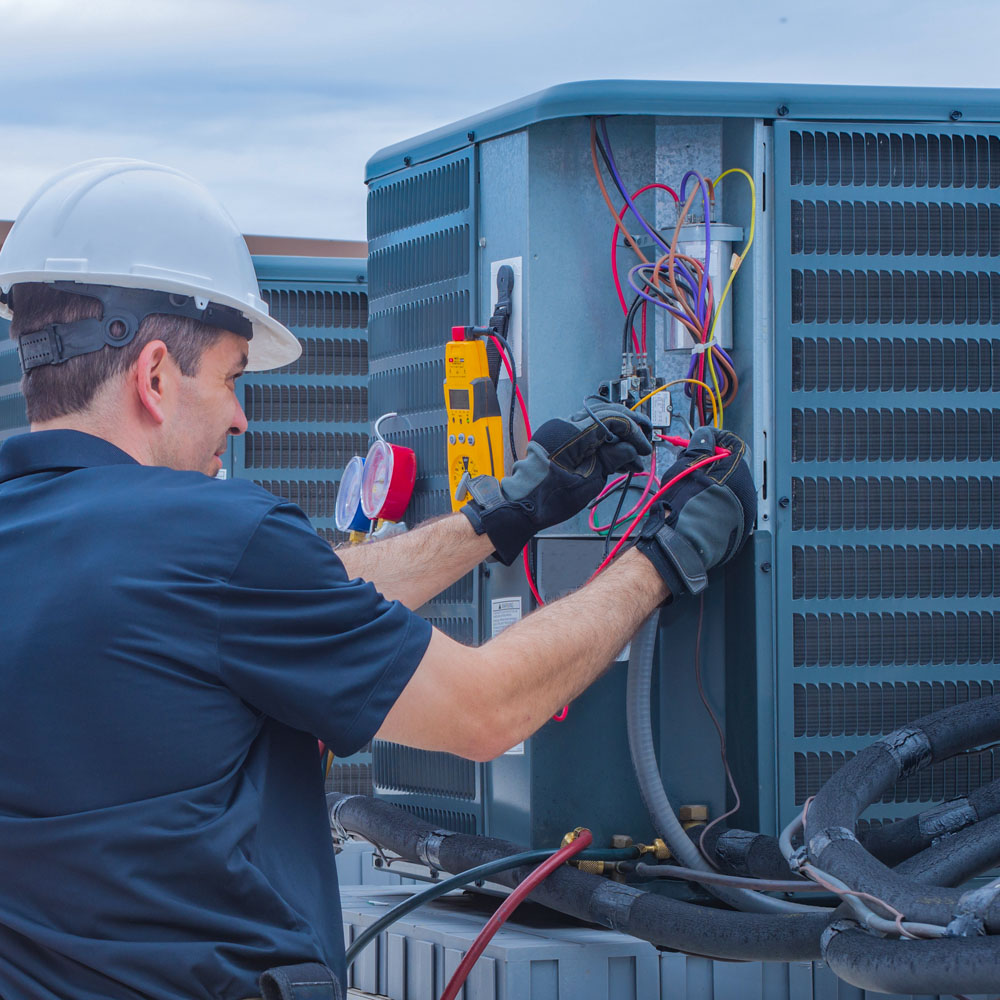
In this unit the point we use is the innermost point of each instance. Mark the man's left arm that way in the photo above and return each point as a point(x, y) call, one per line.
point(414, 567)
point(565, 466)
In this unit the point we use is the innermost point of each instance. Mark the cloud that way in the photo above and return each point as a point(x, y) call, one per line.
point(277, 106)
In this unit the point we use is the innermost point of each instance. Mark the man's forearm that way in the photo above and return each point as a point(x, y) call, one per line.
point(555, 653)
point(414, 567)
point(479, 702)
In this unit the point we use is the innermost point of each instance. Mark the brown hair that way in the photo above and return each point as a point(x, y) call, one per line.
point(52, 391)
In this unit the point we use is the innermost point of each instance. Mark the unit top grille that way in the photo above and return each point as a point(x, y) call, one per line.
point(889, 159)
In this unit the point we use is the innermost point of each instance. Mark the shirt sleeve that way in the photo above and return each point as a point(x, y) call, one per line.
point(302, 643)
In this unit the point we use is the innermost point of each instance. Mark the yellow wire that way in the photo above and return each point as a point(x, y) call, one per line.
point(739, 262)
point(329, 764)
point(679, 381)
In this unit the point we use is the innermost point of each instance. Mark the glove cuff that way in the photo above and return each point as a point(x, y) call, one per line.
point(676, 560)
point(508, 523)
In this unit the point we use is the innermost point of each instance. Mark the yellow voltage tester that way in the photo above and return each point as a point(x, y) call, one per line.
point(475, 426)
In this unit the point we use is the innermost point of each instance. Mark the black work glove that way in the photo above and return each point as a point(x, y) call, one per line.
point(709, 513)
point(566, 466)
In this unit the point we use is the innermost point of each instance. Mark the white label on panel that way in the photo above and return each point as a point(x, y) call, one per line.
point(506, 611)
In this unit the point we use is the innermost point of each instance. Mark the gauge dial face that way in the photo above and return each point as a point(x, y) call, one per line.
point(376, 478)
point(348, 513)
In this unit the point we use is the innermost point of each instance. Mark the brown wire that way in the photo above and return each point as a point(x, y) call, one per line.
point(607, 198)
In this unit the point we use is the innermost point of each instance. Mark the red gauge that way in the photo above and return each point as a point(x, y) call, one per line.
point(387, 481)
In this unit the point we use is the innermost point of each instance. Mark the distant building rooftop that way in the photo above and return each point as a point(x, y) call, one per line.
point(281, 246)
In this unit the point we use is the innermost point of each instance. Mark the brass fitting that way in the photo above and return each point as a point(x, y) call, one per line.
point(594, 867)
point(657, 848)
point(692, 815)
point(571, 836)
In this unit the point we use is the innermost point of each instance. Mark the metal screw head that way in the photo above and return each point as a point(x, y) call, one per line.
point(783, 111)
point(955, 116)
point(471, 136)
point(407, 160)
point(765, 567)
point(784, 502)
point(482, 241)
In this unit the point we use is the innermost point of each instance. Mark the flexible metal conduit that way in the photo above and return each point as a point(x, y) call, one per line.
point(647, 772)
point(664, 922)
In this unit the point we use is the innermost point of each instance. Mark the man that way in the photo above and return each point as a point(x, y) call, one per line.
point(174, 645)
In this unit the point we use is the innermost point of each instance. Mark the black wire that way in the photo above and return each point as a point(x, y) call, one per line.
point(614, 521)
point(629, 321)
point(625, 195)
point(513, 395)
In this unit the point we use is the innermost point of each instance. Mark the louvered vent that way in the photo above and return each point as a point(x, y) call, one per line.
point(421, 270)
point(888, 263)
point(304, 308)
point(13, 416)
point(308, 419)
point(877, 709)
point(403, 769)
point(946, 780)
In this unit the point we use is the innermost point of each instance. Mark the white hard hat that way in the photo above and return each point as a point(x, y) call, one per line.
point(131, 224)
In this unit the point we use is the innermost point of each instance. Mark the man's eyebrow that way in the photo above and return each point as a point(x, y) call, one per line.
point(241, 366)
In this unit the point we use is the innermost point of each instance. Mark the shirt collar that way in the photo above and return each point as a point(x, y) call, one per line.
point(43, 451)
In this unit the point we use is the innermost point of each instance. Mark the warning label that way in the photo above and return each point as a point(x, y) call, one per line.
point(505, 611)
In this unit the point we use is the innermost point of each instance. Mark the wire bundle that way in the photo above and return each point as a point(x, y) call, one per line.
point(675, 282)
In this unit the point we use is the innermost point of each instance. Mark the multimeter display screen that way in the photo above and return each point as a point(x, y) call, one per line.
point(458, 399)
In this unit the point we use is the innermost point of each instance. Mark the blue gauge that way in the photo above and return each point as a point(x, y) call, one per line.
point(348, 514)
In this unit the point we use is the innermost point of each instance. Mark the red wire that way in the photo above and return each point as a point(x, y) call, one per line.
point(508, 906)
point(719, 454)
point(614, 250)
point(644, 304)
point(527, 431)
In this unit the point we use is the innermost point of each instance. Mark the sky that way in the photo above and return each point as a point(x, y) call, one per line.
point(276, 107)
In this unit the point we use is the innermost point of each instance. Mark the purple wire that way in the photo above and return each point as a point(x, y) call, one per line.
point(647, 296)
point(700, 305)
point(702, 296)
point(621, 187)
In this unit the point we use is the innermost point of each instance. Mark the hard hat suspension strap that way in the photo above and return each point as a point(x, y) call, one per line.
point(124, 311)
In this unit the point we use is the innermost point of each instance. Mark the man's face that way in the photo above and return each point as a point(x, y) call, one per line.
point(206, 409)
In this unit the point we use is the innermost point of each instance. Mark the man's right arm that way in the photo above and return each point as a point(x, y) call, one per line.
point(479, 702)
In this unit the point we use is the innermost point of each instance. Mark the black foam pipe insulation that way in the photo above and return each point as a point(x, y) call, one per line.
point(664, 922)
point(892, 965)
point(833, 815)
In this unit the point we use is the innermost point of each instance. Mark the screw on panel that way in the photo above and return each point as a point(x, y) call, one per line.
point(955, 116)
point(407, 160)
point(784, 502)
point(482, 241)
point(783, 111)
point(471, 136)
point(765, 567)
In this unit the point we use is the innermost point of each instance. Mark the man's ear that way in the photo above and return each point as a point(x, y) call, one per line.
point(152, 376)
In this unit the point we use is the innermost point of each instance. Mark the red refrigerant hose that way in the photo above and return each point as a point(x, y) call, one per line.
point(508, 906)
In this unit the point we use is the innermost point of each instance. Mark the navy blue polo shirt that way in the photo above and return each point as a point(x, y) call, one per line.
point(173, 645)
